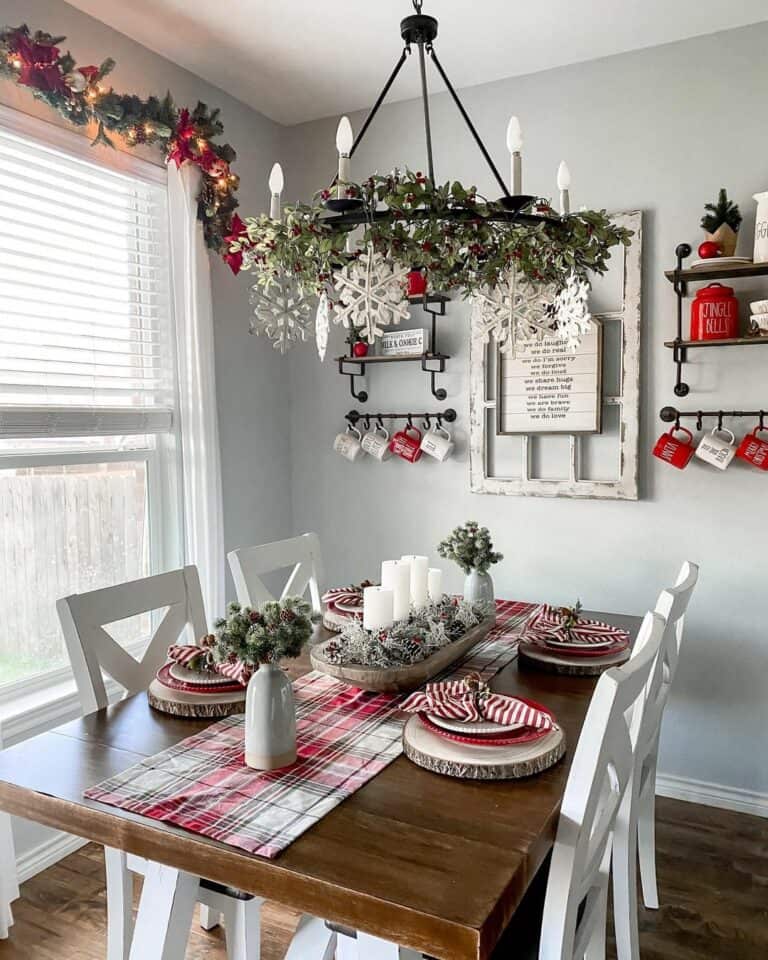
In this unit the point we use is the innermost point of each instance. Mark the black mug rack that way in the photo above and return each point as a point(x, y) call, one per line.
point(673, 415)
point(354, 417)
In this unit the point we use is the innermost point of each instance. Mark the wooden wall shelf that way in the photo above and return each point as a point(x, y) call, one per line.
point(726, 271)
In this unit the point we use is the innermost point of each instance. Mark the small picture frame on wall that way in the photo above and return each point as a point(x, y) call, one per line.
point(549, 388)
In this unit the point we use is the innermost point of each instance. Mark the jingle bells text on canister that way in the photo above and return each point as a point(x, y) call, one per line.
point(714, 313)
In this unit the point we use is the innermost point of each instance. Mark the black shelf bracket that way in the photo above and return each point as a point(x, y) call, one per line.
point(679, 352)
point(359, 364)
point(428, 306)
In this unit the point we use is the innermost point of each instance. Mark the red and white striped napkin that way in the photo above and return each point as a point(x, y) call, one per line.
point(457, 700)
point(547, 622)
point(186, 654)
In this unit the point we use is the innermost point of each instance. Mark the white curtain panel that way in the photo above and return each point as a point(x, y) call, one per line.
point(9, 888)
point(201, 459)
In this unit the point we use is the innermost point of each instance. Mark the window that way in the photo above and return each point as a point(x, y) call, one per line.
point(88, 463)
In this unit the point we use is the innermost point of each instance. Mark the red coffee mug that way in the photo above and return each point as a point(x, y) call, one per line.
point(754, 450)
point(675, 452)
point(406, 443)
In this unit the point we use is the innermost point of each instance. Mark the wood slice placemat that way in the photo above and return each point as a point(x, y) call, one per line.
point(471, 762)
point(180, 703)
point(334, 620)
point(534, 657)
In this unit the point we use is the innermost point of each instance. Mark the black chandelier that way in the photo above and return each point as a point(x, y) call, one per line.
point(420, 30)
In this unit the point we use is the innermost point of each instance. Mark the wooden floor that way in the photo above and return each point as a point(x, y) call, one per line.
point(713, 881)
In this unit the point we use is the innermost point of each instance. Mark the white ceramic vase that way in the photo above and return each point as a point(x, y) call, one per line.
point(478, 588)
point(270, 719)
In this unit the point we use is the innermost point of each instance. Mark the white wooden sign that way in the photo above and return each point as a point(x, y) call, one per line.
point(549, 388)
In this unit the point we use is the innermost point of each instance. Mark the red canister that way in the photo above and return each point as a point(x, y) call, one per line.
point(714, 313)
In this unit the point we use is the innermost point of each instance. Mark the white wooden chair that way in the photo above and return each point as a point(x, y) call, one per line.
point(9, 887)
point(635, 828)
point(301, 554)
point(92, 652)
point(573, 926)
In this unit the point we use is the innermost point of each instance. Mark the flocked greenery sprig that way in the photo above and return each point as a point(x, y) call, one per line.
point(470, 546)
point(465, 254)
point(276, 630)
point(81, 95)
point(409, 641)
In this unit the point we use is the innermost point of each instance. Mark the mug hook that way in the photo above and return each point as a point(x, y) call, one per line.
point(367, 423)
point(427, 423)
point(762, 419)
point(699, 420)
point(677, 422)
point(720, 420)
point(380, 422)
point(410, 420)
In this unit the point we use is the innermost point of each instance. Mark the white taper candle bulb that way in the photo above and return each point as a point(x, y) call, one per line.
point(344, 141)
point(276, 184)
point(563, 185)
point(515, 147)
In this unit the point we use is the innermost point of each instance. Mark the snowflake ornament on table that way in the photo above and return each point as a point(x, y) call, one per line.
point(281, 312)
point(515, 311)
point(572, 315)
point(371, 294)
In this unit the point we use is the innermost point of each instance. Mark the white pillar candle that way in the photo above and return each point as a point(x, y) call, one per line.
point(419, 568)
point(435, 583)
point(515, 146)
point(396, 576)
point(344, 141)
point(563, 185)
point(276, 184)
point(378, 605)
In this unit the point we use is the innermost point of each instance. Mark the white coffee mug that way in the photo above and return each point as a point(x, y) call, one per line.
point(349, 444)
point(376, 443)
point(715, 449)
point(437, 443)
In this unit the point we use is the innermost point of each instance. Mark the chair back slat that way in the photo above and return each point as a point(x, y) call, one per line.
point(301, 554)
point(94, 653)
point(601, 772)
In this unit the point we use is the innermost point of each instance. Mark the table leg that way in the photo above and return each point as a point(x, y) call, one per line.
point(165, 914)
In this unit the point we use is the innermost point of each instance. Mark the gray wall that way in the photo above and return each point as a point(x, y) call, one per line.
point(660, 130)
point(252, 389)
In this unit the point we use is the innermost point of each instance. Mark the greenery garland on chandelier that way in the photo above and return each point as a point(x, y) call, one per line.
point(80, 95)
point(467, 253)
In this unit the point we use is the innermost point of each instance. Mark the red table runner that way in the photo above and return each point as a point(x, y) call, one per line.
point(345, 737)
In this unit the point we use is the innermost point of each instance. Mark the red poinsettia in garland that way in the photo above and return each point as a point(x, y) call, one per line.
point(79, 94)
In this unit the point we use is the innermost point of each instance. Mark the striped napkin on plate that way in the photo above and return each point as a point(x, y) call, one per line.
point(470, 699)
point(547, 622)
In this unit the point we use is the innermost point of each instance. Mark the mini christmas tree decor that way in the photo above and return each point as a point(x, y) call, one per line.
point(721, 223)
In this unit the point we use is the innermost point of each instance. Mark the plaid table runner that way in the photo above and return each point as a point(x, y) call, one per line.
point(345, 737)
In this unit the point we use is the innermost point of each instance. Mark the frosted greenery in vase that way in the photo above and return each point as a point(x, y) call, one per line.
point(470, 547)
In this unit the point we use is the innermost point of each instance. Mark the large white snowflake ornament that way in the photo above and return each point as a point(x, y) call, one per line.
point(515, 311)
point(572, 315)
point(281, 312)
point(371, 294)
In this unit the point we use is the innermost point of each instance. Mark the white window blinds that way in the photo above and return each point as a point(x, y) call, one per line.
point(85, 313)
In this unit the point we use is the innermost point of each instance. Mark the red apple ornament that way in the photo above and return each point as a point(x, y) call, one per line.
point(360, 349)
point(710, 249)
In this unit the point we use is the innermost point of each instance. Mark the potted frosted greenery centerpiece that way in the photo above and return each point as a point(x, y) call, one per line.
point(471, 548)
point(260, 639)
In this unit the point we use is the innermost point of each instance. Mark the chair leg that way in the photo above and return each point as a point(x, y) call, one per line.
point(596, 945)
point(374, 948)
point(346, 948)
point(313, 941)
point(625, 879)
point(646, 840)
point(242, 929)
point(165, 914)
point(119, 904)
point(209, 918)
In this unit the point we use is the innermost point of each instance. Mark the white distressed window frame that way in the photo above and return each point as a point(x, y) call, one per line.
point(483, 400)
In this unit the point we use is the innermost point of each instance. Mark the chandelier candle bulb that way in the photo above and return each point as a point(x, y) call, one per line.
point(396, 576)
point(419, 573)
point(276, 184)
point(515, 146)
point(344, 141)
point(435, 583)
point(563, 185)
point(378, 608)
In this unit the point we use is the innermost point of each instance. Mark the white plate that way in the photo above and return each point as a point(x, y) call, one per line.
point(720, 261)
point(198, 677)
point(577, 644)
point(473, 726)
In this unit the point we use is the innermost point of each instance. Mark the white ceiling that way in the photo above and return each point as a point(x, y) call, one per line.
point(297, 60)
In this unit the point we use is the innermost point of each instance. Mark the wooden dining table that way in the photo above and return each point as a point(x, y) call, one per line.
point(430, 862)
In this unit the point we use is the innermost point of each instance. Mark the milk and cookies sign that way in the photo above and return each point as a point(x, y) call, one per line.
point(549, 388)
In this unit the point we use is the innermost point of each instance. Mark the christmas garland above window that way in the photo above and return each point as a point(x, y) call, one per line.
point(80, 95)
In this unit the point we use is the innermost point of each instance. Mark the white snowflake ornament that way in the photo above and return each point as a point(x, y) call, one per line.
point(371, 294)
point(281, 312)
point(515, 311)
point(572, 315)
